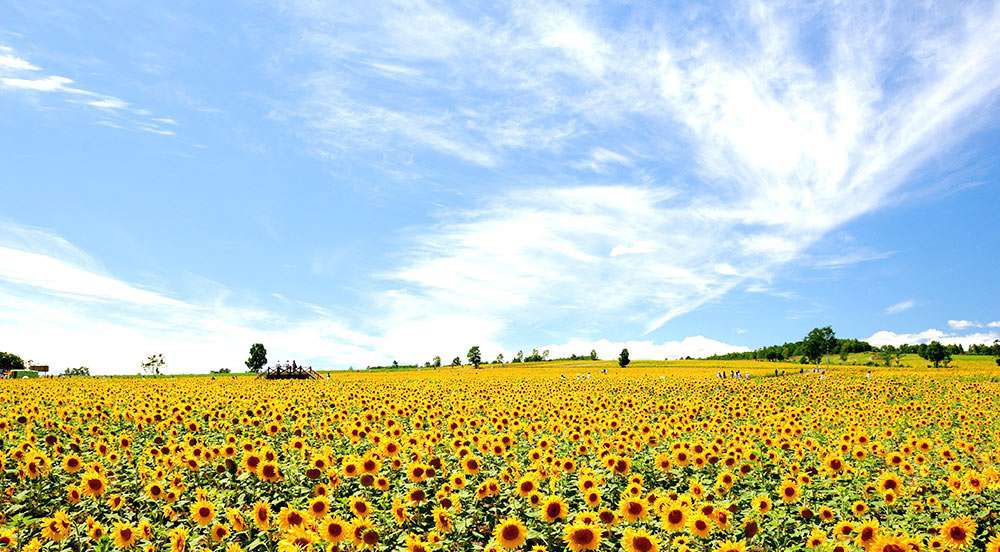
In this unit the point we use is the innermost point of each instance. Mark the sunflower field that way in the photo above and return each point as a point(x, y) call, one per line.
point(533, 458)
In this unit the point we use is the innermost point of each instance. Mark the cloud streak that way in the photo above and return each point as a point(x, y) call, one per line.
point(900, 307)
point(781, 143)
point(60, 307)
point(17, 74)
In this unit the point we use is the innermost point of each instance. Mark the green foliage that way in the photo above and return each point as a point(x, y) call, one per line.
point(154, 364)
point(80, 371)
point(936, 353)
point(819, 342)
point(258, 358)
point(10, 362)
point(623, 359)
point(593, 354)
point(474, 356)
point(457, 361)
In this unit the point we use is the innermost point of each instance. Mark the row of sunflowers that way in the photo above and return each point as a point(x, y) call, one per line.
point(529, 458)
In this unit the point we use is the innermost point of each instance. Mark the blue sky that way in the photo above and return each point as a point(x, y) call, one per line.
point(352, 184)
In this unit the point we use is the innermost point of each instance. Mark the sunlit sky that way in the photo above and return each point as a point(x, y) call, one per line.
point(356, 183)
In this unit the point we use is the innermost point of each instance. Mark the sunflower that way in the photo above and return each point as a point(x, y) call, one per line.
point(300, 537)
point(442, 520)
point(95, 531)
point(219, 532)
point(553, 508)
point(992, 546)
point(526, 485)
point(57, 527)
point(399, 512)
point(235, 519)
point(178, 539)
point(700, 525)
point(72, 463)
point(251, 461)
point(269, 472)
point(124, 536)
point(93, 484)
point(730, 546)
point(582, 537)
point(789, 492)
point(632, 509)
point(816, 537)
point(319, 506)
point(363, 534)
point(262, 515)
point(471, 465)
point(674, 517)
point(360, 506)
point(8, 539)
point(843, 531)
point(510, 533)
point(888, 543)
point(867, 533)
point(202, 512)
point(889, 482)
point(958, 532)
point(290, 517)
point(155, 490)
point(415, 544)
point(333, 529)
point(639, 540)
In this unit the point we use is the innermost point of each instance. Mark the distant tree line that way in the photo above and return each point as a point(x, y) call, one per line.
point(819, 343)
point(822, 342)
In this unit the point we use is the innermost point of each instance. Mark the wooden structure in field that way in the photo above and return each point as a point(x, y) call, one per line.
point(289, 371)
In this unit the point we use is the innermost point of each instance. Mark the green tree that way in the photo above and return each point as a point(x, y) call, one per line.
point(519, 357)
point(457, 361)
point(623, 360)
point(500, 359)
point(936, 353)
point(81, 371)
point(10, 362)
point(154, 364)
point(887, 353)
point(436, 362)
point(258, 358)
point(475, 358)
point(819, 343)
point(593, 354)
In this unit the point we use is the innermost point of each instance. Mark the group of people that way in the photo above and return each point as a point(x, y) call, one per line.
point(733, 374)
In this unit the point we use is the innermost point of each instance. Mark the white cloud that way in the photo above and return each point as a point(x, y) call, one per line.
point(52, 83)
point(966, 324)
point(108, 103)
point(886, 337)
point(695, 346)
point(900, 307)
point(18, 74)
point(13, 63)
point(58, 306)
point(785, 149)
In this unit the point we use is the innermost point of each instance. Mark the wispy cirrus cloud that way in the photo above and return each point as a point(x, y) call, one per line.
point(17, 74)
point(773, 140)
point(51, 292)
point(901, 306)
